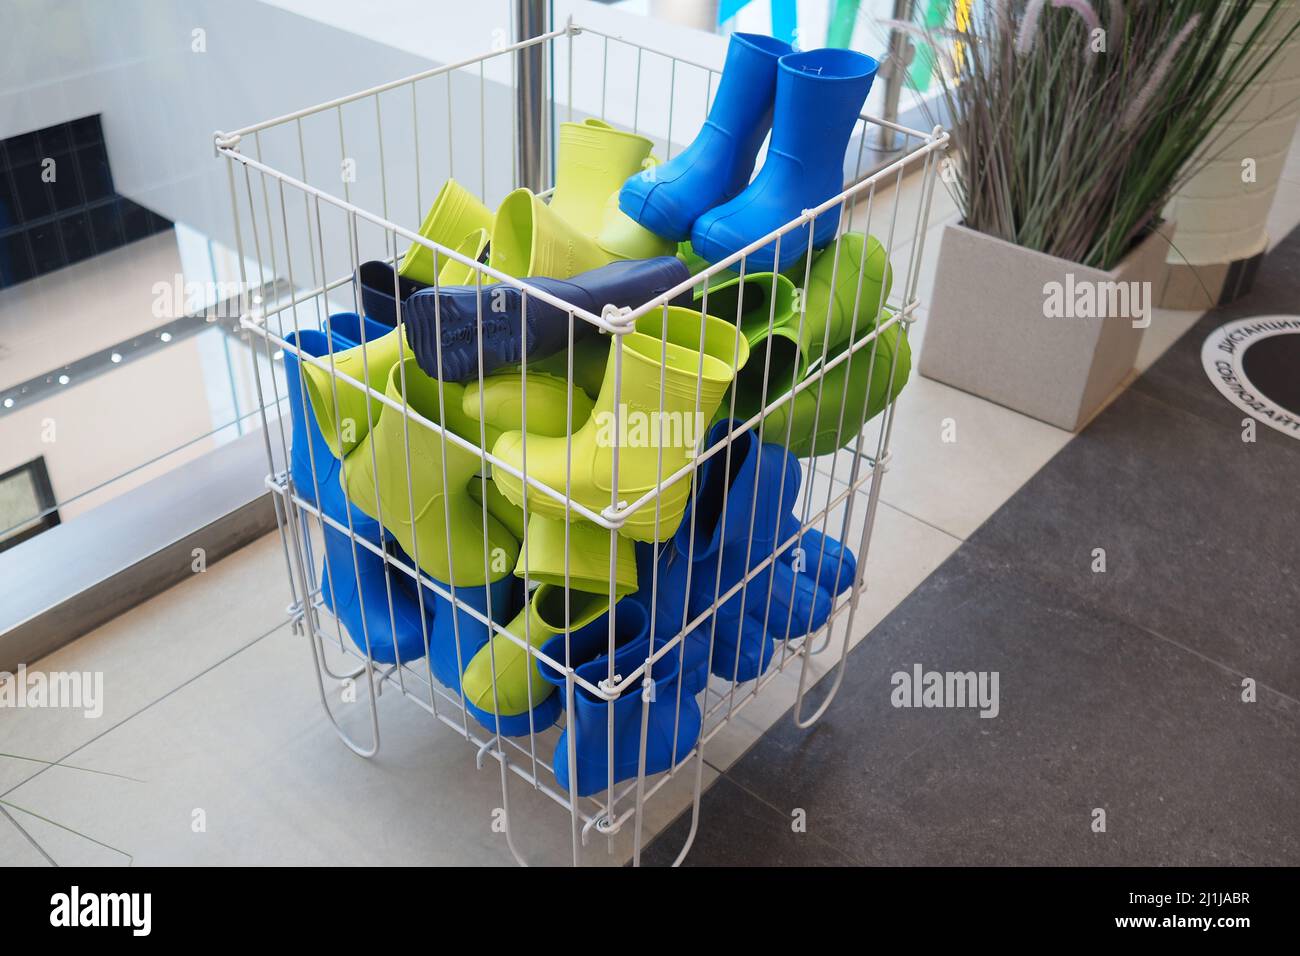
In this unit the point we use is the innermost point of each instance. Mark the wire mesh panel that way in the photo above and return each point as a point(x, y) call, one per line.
point(582, 528)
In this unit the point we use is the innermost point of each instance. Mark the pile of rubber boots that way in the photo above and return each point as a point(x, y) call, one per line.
point(394, 417)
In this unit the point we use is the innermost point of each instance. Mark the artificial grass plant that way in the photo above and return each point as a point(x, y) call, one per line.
point(1074, 122)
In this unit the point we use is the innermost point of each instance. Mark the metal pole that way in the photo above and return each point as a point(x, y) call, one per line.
point(894, 69)
point(531, 19)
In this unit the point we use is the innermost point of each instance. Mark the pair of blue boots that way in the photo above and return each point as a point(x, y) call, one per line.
point(718, 544)
point(810, 102)
point(376, 608)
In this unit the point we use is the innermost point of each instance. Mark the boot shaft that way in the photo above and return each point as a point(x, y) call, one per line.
point(819, 96)
point(744, 102)
point(852, 276)
point(593, 160)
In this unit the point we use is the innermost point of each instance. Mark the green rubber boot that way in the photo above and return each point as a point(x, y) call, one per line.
point(829, 308)
point(593, 160)
point(502, 401)
point(471, 247)
point(586, 556)
point(518, 682)
point(697, 264)
point(844, 405)
point(455, 214)
point(684, 364)
point(438, 524)
point(510, 515)
point(590, 355)
point(766, 307)
point(345, 424)
point(624, 237)
point(529, 238)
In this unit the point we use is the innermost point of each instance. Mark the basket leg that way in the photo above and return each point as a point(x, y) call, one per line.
point(296, 531)
point(873, 499)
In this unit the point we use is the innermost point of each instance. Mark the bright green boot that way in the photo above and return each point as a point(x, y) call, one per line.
point(471, 247)
point(518, 682)
point(529, 238)
point(502, 402)
point(845, 407)
point(454, 215)
point(509, 514)
point(765, 304)
point(438, 524)
point(624, 237)
point(590, 354)
point(345, 430)
point(829, 308)
point(593, 161)
point(581, 548)
point(658, 425)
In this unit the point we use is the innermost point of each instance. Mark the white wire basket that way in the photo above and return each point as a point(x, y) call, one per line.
point(303, 189)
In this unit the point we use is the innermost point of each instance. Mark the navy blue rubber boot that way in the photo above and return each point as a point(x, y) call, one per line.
point(668, 198)
point(377, 286)
point(457, 312)
point(353, 583)
point(791, 597)
point(819, 96)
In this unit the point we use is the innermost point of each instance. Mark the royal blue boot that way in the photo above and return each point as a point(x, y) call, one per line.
point(667, 199)
point(819, 96)
point(451, 622)
point(456, 312)
point(588, 723)
point(761, 482)
point(667, 595)
point(346, 327)
point(353, 587)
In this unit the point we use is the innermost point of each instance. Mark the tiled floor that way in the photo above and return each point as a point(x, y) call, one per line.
point(1120, 691)
point(211, 705)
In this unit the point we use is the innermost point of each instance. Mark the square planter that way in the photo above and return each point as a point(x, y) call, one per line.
point(1047, 337)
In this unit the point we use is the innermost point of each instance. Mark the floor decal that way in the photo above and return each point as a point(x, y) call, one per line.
point(1255, 363)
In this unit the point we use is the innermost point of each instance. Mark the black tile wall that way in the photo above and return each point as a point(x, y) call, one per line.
point(48, 225)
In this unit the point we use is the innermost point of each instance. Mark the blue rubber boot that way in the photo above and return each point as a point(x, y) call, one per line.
point(819, 96)
point(452, 623)
point(347, 328)
point(456, 312)
point(376, 279)
point(665, 591)
point(591, 643)
point(667, 199)
point(791, 597)
point(673, 718)
point(355, 587)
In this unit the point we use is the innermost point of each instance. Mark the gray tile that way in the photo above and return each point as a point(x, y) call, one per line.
point(17, 847)
point(1178, 378)
point(737, 829)
point(148, 652)
point(247, 743)
point(1198, 546)
point(1094, 713)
